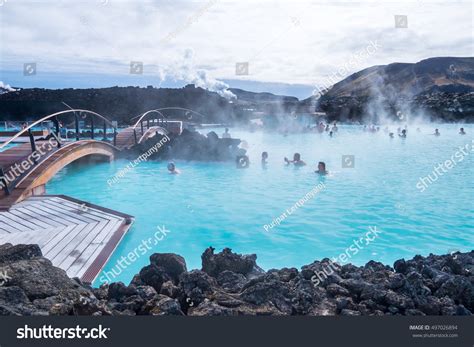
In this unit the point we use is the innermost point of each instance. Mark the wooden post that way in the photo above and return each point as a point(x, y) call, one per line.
point(135, 135)
point(58, 135)
point(77, 126)
point(105, 132)
point(92, 127)
point(4, 182)
point(32, 142)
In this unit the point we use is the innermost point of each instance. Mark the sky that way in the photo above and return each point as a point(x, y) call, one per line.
point(286, 47)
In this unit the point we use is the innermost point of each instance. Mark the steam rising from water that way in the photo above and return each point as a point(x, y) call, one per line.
point(186, 71)
point(6, 87)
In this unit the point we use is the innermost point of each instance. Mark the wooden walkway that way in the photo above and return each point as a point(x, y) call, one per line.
point(76, 236)
point(32, 181)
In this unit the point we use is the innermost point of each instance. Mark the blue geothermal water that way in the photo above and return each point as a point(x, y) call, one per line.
point(215, 204)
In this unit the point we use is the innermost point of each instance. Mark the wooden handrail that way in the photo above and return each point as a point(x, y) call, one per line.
point(51, 116)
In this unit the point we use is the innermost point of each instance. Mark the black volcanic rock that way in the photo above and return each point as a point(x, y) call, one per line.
point(214, 264)
point(174, 265)
point(8, 253)
point(432, 285)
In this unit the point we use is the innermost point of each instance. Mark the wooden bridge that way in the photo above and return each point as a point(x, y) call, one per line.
point(76, 239)
point(26, 168)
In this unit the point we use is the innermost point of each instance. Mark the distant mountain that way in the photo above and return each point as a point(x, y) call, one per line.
point(119, 103)
point(440, 87)
point(243, 95)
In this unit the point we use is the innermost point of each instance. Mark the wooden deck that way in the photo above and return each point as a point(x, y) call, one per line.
point(76, 236)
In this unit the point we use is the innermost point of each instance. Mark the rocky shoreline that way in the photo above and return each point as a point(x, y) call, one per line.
point(230, 284)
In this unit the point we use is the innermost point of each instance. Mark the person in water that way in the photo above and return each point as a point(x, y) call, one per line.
point(264, 158)
point(403, 134)
point(391, 135)
point(334, 128)
point(321, 168)
point(172, 169)
point(226, 134)
point(330, 133)
point(436, 132)
point(296, 160)
point(462, 132)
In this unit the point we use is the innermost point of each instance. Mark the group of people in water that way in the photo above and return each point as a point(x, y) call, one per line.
point(321, 127)
point(403, 132)
point(242, 161)
point(297, 162)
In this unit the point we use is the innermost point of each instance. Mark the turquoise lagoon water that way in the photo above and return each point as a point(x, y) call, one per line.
point(215, 204)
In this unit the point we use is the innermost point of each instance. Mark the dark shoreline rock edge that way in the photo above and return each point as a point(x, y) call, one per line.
point(231, 284)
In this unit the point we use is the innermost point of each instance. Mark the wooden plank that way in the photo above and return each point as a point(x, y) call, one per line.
point(80, 244)
point(11, 225)
point(91, 212)
point(64, 215)
point(94, 249)
point(41, 221)
point(67, 244)
point(94, 269)
point(49, 246)
point(35, 208)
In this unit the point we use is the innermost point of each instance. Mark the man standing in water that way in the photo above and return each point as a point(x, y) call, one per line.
point(226, 134)
point(296, 160)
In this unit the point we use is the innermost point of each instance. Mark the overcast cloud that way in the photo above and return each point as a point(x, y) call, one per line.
point(296, 42)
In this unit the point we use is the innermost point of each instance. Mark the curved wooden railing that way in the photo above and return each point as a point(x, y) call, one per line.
point(55, 120)
point(56, 133)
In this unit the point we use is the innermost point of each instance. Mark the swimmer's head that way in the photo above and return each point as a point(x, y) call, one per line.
point(296, 157)
point(322, 166)
point(171, 166)
point(264, 155)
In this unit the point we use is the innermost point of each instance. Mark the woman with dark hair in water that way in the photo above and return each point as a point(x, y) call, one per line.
point(321, 168)
point(436, 132)
point(462, 132)
point(296, 160)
